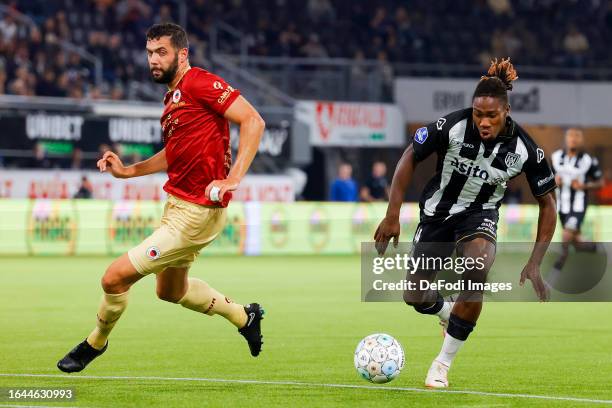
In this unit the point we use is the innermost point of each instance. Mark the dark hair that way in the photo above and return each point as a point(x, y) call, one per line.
point(498, 80)
point(178, 36)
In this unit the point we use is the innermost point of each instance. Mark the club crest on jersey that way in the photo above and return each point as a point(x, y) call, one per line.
point(540, 154)
point(176, 96)
point(153, 253)
point(421, 135)
point(512, 159)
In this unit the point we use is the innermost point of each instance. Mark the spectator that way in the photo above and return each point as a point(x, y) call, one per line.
point(313, 48)
point(2, 78)
point(77, 159)
point(8, 27)
point(39, 159)
point(576, 44)
point(85, 189)
point(344, 188)
point(500, 7)
point(320, 11)
point(376, 187)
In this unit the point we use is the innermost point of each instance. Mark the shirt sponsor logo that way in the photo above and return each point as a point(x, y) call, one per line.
point(469, 169)
point(225, 95)
point(421, 135)
point(487, 226)
point(511, 159)
point(545, 180)
point(540, 154)
point(217, 85)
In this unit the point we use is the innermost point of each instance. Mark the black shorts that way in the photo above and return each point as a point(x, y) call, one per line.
point(572, 220)
point(438, 238)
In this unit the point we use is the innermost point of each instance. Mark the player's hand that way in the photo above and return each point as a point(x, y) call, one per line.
point(387, 229)
point(225, 185)
point(531, 271)
point(558, 180)
point(112, 163)
point(577, 185)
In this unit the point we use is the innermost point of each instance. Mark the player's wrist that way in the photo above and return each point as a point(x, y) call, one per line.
point(392, 216)
point(234, 179)
point(129, 171)
point(534, 262)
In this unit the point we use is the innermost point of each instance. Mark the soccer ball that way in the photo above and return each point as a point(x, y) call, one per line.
point(379, 358)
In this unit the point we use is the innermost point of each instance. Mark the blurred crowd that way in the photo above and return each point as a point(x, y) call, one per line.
point(555, 33)
point(563, 33)
point(374, 188)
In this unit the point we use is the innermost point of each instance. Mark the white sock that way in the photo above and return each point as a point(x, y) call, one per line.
point(445, 312)
point(450, 347)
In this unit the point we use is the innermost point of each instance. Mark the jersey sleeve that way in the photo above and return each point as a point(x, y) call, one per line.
point(428, 139)
point(213, 92)
point(594, 172)
point(539, 175)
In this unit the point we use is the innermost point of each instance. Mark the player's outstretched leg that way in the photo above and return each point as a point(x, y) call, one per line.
point(465, 311)
point(116, 282)
point(200, 297)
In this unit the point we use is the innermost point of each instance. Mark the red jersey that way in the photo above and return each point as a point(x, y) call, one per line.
point(196, 135)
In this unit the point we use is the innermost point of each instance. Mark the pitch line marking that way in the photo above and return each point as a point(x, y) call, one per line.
point(308, 384)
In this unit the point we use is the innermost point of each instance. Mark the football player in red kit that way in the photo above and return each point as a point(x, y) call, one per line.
point(201, 177)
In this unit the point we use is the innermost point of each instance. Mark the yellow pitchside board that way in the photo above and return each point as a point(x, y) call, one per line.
point(96, 227)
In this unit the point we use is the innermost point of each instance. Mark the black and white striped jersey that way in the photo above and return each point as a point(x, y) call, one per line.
point(582, 167)
point(471, 175)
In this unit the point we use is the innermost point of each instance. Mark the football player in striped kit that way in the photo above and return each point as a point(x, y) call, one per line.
point(576, 172)
point(479, 149)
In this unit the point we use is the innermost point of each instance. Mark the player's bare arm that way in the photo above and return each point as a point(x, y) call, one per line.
point(111, 162)
point(547, 220)
point(590, 185)
point(389, 227)
point(242, 113)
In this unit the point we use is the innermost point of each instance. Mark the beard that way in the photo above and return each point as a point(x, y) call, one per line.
point(167, 75)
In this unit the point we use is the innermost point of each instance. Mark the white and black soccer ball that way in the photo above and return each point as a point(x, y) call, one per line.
point(379, 358)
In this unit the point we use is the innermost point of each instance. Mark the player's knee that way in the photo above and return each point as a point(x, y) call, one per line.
point(168, 295)
point(112, 281)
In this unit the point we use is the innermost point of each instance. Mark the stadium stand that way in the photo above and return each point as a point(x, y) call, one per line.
point(35, 59)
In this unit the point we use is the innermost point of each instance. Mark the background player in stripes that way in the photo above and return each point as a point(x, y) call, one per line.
point(197, 158)
point(576, 172)
point(479, 149)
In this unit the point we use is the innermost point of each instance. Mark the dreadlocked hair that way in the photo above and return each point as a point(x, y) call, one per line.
point(497, 81)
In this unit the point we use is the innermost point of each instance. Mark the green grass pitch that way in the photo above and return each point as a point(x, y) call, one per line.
point(314, 320)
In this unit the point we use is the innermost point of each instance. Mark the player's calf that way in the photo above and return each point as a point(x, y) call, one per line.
point(200, 297)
